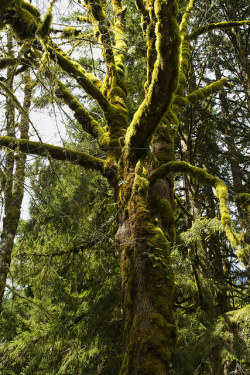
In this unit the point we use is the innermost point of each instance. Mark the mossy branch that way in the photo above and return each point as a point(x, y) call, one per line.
point(120, 47)
point(206, 91)
point(55, 152)
point(185, 51)
point(87, 81)
point(5, 62)
point(88, 123)
point(164, 78)
point(204, 178)
point(216, 26)
point(141, 6)
point(97, 12)
point(185, 17)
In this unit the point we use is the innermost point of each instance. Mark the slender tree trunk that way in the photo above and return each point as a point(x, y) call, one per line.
point(15, 175)
point(240, 47)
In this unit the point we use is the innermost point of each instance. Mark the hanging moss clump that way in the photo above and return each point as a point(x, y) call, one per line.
point(22, 21)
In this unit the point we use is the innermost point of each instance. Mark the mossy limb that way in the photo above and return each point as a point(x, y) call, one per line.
point(23, 23)
point(45, 27)
point(216, 26)
point(204, 178)
point(206, 91)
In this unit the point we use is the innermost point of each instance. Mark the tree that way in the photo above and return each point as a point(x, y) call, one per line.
point(13, 167)
point(140, 161)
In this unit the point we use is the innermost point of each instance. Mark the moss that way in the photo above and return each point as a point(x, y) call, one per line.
point(204, 178)
point(68, 32)
point(180, 101)
point(56, 152)
point(222, 194)
point(30, 8)
point(89, 124)
point(243, 198)
point(203, 93)
point(5, 62)
point(23, 23)
point(4, 4)
point(45, 27)
point(215, 26)
point(164, 80)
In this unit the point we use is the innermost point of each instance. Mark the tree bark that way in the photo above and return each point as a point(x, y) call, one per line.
point(15, 175)
point(147, 284)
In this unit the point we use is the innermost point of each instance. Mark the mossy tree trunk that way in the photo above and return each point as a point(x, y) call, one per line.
point(147, 285)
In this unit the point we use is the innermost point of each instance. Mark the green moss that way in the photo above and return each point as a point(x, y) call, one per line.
point(30, 8)
point(180, 101)
point(213, 26)
point(89, 124)
point(243, 198)
point(203, 93)
point(204, 178)
point(68, 32)
point(23, 23)
point(4, 4)
point(45, 27)
point(5, 62)
point(56, 152)
point(222, 195)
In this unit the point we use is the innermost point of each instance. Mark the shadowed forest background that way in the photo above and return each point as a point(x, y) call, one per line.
point(134, 256)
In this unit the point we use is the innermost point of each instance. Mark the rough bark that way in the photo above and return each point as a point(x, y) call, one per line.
point(147, 282)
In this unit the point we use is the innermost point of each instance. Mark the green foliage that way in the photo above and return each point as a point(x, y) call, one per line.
point(67, 266)
point(202, 228)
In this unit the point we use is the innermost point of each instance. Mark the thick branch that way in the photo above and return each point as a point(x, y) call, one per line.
point(201, 176)
point(120, 47)
point(97, 11)
point(58, 153)
point(213, 26)
point(164, 79)
point(185, 51)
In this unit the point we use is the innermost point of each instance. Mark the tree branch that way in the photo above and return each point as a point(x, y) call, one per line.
point(55, 152)
point(216, 26)
point(206, 91)
point(89, 124)
point(32, 302)
point(87, 81)
point(164, 79)
point(201, 176)
point(97, 12)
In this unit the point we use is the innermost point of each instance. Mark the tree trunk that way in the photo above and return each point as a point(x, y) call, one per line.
point(146, 230)
point(14, 188)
